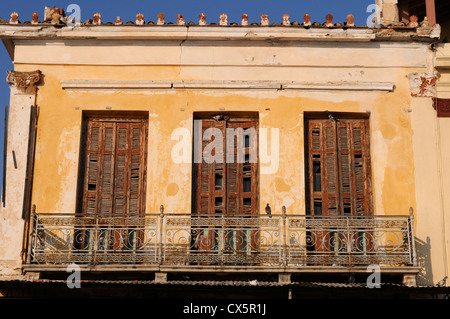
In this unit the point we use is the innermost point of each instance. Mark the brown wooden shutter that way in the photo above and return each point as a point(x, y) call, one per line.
point(92, 172)
point(234, 170)
point(354, 154)
point(228, 186)
point(204, 173)
point(338, 166)
point(107, 161)
point(242, 167)
point(115, 167)
point(322, 163)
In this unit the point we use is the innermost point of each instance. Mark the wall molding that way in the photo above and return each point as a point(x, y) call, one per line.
point(87, 85)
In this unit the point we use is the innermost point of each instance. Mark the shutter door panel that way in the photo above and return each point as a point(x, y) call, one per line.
point(367, 168)
point(322, 168)
point(115, 167)
point(316, 166)
point(331, 204)
point(346, 168)
point(234, 141)
point(355, 157)
point(228, 185)
point(204, 176)
point(338, 162)
point(361, 168)
point(250, 168)
point(121, 171)
point(107, 169)
point(136, 173)
point(107, 185)
point(218, 177)
point(242, 144)
point(92, 172)
point(211, 179)
point(120, 195)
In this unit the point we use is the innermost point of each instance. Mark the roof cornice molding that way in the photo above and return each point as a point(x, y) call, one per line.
point(175, 32)
point(88, 85)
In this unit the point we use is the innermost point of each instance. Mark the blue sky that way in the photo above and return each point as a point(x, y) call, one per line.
point(127, 10)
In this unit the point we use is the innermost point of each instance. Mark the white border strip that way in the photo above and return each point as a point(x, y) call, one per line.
point(82, 85)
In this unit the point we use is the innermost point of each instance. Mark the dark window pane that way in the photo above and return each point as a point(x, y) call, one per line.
point(317, 183)
point(247, 185)
point(219, 181)
point(317, 208)
point(218, 201)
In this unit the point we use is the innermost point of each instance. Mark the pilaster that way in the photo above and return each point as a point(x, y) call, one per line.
point(23, 87)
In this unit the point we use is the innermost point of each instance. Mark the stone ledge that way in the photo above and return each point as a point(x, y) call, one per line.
point(411, 270)
point(81, 85)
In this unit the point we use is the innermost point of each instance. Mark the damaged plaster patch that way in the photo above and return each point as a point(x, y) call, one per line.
point(422, 84)
point(281, 186)
point(68, 153)
point(172, 189)
point(381, 149)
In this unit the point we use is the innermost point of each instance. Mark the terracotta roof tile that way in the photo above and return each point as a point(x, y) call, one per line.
point(57, 16)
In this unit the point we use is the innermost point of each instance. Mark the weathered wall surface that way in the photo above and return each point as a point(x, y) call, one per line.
point(433, 175)
point(356, 77)
point(61, 111)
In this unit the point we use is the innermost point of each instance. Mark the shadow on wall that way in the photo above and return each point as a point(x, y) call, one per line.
point(425, 277)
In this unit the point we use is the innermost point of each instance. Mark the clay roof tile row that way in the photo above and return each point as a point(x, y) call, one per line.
point(56, 16)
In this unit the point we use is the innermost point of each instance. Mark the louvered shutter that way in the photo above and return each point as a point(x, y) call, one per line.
point(234, 170)
point(205, 168)
point(338, 166)
point(242, 167)
point(107, 161)
point(354, 156)
point(227, 185)
point(115, 168)
point(322, 163)
point(92, 169)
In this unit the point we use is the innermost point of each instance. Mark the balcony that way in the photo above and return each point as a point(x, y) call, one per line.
point(176, 242)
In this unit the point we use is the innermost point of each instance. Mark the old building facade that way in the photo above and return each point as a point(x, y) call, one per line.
point(273, 154)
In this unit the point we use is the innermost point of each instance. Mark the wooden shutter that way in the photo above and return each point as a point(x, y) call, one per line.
point(229, 185)
point(354, 156)
point(242, 168)
point(338, 166)
point(210, 177)
point(107, 163)
point(322, 163)
point(114, 183)
point(92, 173)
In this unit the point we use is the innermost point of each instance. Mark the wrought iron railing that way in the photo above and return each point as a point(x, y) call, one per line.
point(185, 240)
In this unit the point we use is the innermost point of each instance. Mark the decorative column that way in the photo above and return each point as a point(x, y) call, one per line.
point(19, 153)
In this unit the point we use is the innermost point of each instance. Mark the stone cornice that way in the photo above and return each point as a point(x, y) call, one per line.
point(10, 33)
point(176, 32)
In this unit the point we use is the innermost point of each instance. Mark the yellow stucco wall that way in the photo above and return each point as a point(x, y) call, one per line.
point(401, 126)
point(169, 183)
